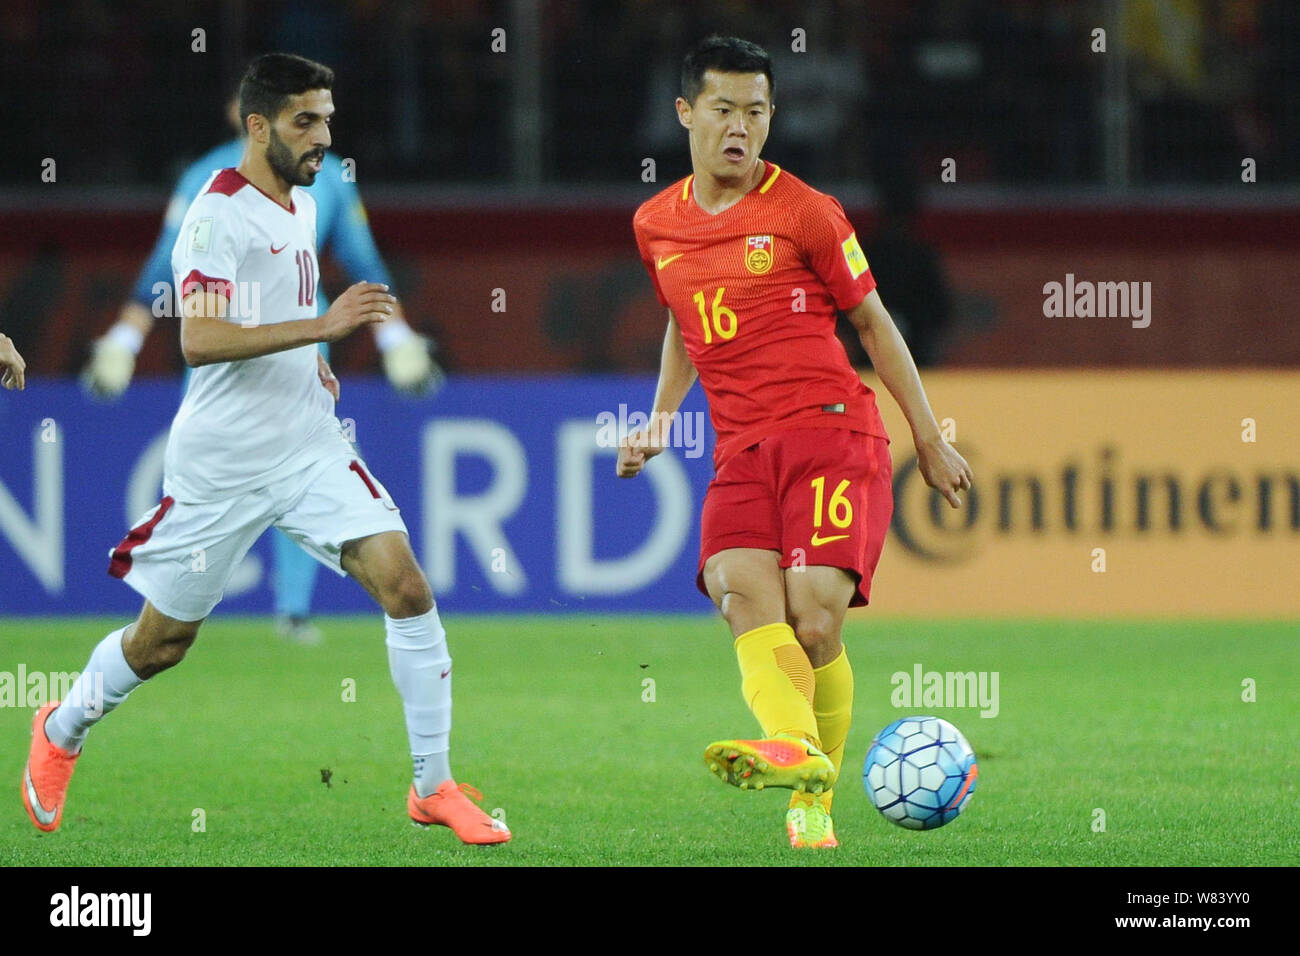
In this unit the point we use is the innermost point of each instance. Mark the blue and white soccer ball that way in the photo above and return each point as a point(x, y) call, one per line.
point(920, 772)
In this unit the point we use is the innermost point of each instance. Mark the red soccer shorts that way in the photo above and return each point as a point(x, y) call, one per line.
point(819, 496)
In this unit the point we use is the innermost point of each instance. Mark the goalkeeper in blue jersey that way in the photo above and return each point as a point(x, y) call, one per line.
point(342, 231)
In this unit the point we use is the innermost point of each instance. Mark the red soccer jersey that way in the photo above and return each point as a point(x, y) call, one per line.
point(755, 289)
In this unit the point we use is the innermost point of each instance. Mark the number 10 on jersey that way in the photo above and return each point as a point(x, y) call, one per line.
point(306, 277)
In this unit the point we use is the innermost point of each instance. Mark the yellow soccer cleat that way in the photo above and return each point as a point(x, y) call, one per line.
point(808, 822)
point(789, 762)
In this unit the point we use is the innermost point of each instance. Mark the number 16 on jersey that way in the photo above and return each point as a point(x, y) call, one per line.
point(724, 321)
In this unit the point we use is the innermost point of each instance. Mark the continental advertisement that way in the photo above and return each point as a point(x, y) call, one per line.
point(1102, 494)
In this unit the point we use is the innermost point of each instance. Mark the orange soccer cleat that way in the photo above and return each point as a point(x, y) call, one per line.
point(772, 762)
point(46, 776)
point(450, 806)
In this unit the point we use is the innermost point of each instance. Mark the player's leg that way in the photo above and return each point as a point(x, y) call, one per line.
point(740, 571)
point(293, 580)
point(836, 508)
point(119, 664)
point(776, 676)
point(418, 659)
point(343, 515)
point(836, 503)
point(420, 665)
point(179, 557)
point(817, 598)
point(385, 566)
point(123, 660)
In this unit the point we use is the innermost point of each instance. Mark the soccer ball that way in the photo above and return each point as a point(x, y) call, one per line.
point(920, 772)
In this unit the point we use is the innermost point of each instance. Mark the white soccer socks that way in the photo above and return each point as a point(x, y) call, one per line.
point(104, 683)
point(417, 659)
point(421, 669)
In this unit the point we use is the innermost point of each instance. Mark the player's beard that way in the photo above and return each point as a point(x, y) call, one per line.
point(280, 158)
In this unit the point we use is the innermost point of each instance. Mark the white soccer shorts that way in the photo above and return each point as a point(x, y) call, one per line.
point(180, 555)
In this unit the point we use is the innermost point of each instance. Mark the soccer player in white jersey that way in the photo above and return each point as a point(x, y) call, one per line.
point(256, 443)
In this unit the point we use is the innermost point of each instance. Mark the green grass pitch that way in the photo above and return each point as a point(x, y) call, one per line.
point(1144, 720)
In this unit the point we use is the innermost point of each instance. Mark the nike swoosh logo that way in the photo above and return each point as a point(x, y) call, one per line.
point(446, 672)
point(661, 261)
point(45, 816)
point(818, 540)
point(275, 251)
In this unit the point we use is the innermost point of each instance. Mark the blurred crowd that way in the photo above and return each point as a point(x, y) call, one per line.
point(125, 94)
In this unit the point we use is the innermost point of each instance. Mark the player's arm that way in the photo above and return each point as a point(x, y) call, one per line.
point(676, 376)
point(207, 336)
point(941, 466)
point(112, 360)
point(13, 370)
point(407, 355)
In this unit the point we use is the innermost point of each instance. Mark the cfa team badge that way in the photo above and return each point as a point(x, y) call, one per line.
point(758, 254)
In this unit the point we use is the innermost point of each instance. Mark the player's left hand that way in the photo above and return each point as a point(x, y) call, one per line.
point(327, 379)
point(944, 469)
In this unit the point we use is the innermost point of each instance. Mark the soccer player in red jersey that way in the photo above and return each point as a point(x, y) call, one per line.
point(753, 265)
point(12, 367)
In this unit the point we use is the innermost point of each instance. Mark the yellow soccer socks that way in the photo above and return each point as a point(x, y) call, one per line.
point(833, 705)
point(833, 708)
point(777, 681)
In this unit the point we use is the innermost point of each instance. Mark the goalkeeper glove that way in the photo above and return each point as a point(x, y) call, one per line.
point(410, 366)
point(112, 363)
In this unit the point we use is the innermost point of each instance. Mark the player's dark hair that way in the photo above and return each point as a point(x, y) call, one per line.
point(272, 78)
point(725, 55)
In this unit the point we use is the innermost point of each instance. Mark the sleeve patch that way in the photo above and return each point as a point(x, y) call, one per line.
point(201, 235)
point(853, 257)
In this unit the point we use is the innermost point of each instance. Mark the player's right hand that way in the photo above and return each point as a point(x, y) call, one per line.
point(109, 370)
point(13, 369)
point(634, 452)
point(364, 303)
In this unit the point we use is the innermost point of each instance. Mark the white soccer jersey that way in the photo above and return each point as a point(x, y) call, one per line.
point(247, 423)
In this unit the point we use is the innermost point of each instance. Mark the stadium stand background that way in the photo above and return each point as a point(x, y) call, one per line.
point(520, 170)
